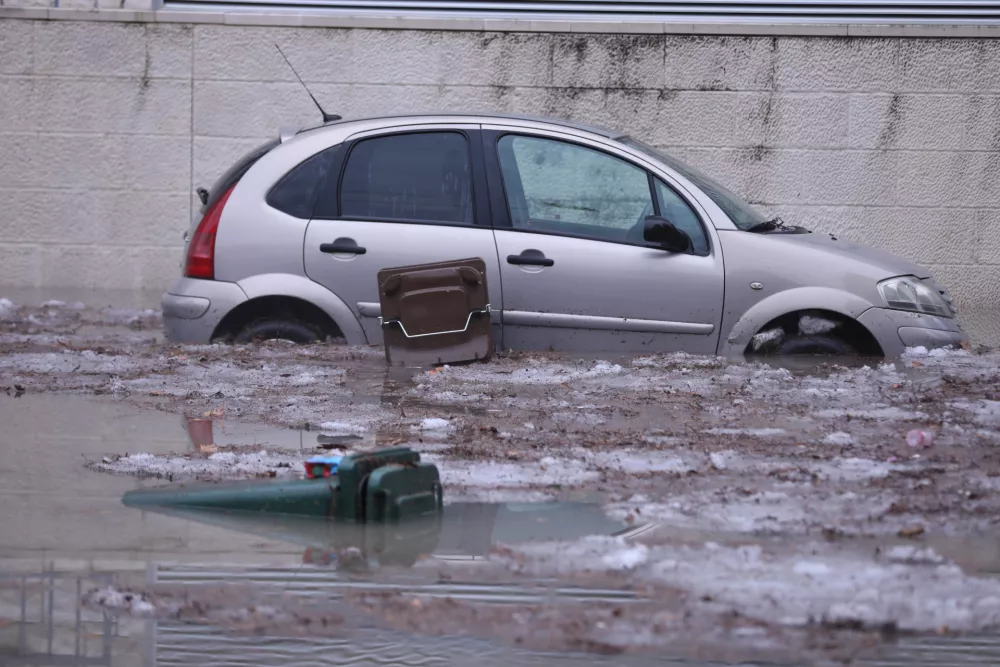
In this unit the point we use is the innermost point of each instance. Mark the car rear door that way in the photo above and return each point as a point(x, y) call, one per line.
point(403, 195)
point(576, 272)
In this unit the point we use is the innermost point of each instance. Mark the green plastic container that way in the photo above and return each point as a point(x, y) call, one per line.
point(388, 485)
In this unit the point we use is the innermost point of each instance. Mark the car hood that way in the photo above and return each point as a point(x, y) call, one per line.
point(883, 262)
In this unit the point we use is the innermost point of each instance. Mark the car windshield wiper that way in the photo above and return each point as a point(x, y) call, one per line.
point(768, 225)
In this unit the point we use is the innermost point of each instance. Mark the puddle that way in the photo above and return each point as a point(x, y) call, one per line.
point(65, 531)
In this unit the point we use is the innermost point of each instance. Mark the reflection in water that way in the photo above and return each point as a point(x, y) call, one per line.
point(464, 531)
point(52, 627)
point(43, 623)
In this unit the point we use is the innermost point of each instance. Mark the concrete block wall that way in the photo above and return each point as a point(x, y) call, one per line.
point(106, 127)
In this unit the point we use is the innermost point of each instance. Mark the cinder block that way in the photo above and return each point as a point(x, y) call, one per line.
point(948, 178)
point(169, 50)
point(692, 118)
point(838, 65)
point(720, 63)
point(924, 122)
point(495, 59)
point(802, 177)
point(16, 35)
point(95, 217)
point(949, 65)
point(27, 3)
point(89, 266)
point(976, 290)
point(360, 101)
point(246, 53)
point(92, 161)
point(251, 109)
point(607, 61)
point(78, 4)
point(20, 264)
point(213, 156)
point(126, 105)
point(805, 120)
point(158, 267)
point(16, 103)
point(987, 238)
point(401, 57)
point(90, 48)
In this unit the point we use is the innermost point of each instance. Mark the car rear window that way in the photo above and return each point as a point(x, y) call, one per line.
point(236, 171)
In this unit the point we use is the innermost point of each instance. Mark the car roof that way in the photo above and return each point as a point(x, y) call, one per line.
point(482, 117)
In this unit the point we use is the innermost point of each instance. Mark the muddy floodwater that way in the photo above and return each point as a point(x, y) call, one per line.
point(640, 510)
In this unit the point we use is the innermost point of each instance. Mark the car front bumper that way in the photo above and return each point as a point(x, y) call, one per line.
point(192, 308)
point(896, 330)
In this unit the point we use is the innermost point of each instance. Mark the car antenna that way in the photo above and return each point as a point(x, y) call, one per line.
point(327, 117)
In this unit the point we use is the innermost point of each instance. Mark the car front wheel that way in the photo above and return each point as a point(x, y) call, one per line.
point(817, 344)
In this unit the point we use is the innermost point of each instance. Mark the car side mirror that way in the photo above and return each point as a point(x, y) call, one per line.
point(662, 232)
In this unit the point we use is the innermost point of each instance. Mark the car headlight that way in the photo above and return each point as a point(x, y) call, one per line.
point(909, 293)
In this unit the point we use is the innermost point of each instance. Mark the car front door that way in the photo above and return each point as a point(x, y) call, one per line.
point(576, 272)
point(403, 196)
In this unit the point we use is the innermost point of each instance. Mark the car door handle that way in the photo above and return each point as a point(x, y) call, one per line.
point(345, 246)
point(530, 258)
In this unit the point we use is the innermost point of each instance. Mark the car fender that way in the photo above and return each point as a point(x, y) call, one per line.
point(789, 301)
point(300, 287)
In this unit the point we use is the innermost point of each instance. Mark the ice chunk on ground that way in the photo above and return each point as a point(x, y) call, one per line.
point(874, 414)
point(636, 462)
point(662, 440)
point(117, 600)
point(808, 586)
point(810, 325)
point(7, 307)
point(912, 555)
point(494, 475)
point(757, 432)
point(838, 438)
point(810, 568)
point(53, 303)
point(721, 460)
point(947, 352)
point(938, 352)
point(221, 465)
point(853, 469)
point(533, 374)
point(343, 428)
point(435, 424)
point(765, 337)
point(594, 552)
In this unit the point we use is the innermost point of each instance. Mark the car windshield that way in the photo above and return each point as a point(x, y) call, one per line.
point(739, 211)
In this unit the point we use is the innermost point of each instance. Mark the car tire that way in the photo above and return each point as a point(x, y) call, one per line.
point(278, 329)
point(819, 344)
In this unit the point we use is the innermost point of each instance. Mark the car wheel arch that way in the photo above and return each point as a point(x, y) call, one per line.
point(293, 288)
point(781, 307)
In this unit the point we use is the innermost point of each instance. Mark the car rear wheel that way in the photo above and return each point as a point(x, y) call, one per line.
point(278, 329)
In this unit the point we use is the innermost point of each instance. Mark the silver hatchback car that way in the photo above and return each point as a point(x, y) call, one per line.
point(592, 241)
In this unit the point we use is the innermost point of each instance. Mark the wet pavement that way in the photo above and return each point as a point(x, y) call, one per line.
point(697, 508)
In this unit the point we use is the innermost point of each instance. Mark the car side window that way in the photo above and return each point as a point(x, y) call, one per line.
point(679, 212)
point(560, 187)
point(418, 177)
point(296, 192)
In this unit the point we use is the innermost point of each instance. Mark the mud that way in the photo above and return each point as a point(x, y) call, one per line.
point(798, 479)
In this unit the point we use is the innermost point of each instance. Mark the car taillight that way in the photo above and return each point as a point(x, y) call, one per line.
point(201, 250)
